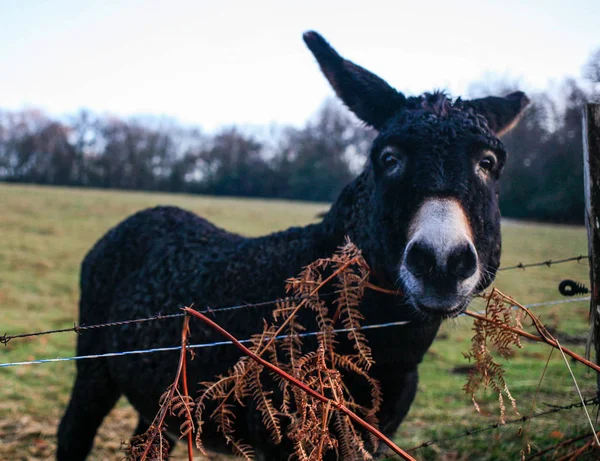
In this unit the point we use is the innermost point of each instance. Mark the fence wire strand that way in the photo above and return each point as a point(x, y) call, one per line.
point(80, 328)
point(465, 433)
point(477, 430)
point(193, 346)
point(547, 263)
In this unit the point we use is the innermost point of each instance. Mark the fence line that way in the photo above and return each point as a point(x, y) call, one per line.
point(80, 328)
point(194, 346)
point(5, 339)
point(465, 433)
point(558, 301)
point(522, 419)
point(547, 263)
point(545, 303)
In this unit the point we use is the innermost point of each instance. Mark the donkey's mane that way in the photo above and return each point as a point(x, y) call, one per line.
point(437, 103)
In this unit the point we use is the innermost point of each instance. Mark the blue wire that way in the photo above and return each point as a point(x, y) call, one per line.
point(225, 343)
point(191, 346)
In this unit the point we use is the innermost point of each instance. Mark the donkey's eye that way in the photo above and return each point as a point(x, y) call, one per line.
point(487, 163)
point(390, 158)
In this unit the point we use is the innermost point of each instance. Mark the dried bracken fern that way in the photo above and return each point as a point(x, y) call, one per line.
point(312, 425)
point(153, 445)
point(487, 372)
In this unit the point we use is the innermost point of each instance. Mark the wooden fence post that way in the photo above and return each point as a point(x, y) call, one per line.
point(591, 164)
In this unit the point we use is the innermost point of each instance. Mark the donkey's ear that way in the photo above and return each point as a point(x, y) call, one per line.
point(365, 94)
point(502, 114)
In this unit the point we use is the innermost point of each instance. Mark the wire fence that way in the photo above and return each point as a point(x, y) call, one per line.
point(193, 346)
point(5, 339)
point(208, 310)
point(522, 419)
point(547, 263)
point(498, 425)
point(80, 329)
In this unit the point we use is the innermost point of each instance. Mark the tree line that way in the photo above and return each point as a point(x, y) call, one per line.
point(88, 150)
point(543, 179)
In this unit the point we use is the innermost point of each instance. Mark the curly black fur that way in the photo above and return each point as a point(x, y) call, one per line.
point(161, 259)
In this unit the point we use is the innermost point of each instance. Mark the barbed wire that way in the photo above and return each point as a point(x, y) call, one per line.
point(547, 263)
point(497, 425)
point(194, 346)
point(544, 303)
point(81, 328)
point(208, 310)
point(477, 430)
point(465, 433)
point(77, 329)
point(562, 444)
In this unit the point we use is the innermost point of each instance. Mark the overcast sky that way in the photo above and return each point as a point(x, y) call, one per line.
point(215, 62)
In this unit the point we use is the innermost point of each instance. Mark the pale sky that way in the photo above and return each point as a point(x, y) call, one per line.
point(212, 63)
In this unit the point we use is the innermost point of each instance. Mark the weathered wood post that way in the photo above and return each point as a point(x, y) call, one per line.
point(591, 163)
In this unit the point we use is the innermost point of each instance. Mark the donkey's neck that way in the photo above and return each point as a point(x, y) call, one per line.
point(348, 217)
point(349, 212)
point(352, 216)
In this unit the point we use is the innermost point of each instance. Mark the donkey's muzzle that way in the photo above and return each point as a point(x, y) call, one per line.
point(440, 266)
point(435, 269)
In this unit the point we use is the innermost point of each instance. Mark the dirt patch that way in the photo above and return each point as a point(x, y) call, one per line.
point(25, 438)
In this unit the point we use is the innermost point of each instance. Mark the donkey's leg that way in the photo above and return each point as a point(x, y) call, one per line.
point(94, 395)
point(142, 427)
point(399, 389)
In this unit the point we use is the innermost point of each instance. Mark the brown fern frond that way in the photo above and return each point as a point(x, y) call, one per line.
point(353, 364)
point(182, 406)
point(351, 285)
point(374, 441)
point(351, 318)
point(138, 445)
point(212, 391)
point(313, 427)
point(488, 373)
point(358, 444)
point(292, 343)
point(225, 424)
point(240, 385)
point(326, 327)
point(300, 451)
point(152, 445)
point(264, 404)
point(341, 422)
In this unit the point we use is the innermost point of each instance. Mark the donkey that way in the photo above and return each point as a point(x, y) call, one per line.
point(424, 212)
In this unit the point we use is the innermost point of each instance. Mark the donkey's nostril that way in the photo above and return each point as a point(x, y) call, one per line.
point(420, 259)
point(425, 263)
point(462, 261)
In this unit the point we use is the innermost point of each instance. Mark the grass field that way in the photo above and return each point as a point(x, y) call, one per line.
point(45, 232)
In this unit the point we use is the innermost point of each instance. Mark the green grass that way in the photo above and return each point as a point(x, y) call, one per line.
point(45, 233)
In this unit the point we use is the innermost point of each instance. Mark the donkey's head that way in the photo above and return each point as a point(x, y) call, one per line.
point(434, 169)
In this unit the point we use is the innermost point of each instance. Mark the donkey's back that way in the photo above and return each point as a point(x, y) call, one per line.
point(154, 262)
